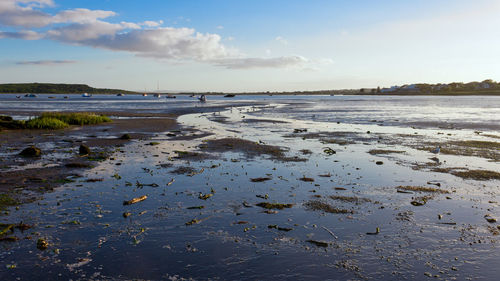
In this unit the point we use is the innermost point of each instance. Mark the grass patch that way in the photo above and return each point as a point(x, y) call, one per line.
point(78, 118)
point(56, 121)
point(46, 123)
point(422, 189)
point(316, 205)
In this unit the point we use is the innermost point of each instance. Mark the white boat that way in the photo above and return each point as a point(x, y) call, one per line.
point(157, 95)
point(203, 98)
point(144, 95)
point(120, 95)
point(86, 95)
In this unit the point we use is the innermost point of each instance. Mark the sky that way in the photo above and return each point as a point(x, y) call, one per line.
point(248, 45)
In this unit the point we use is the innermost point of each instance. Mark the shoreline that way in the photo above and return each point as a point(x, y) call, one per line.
point(60, 151)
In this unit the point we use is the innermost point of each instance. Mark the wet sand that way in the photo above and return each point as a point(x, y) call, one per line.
point(60, 148)
point(226, 200)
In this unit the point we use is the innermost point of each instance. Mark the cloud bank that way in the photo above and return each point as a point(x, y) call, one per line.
point(91, 28)
point(46, 62)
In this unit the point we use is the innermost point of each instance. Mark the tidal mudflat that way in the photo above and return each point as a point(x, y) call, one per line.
point(291, 188)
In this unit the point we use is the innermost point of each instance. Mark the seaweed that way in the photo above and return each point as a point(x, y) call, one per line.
point(316, 205)
point(306, 179)
point(350, 199)
point(260, 179)
point(477, 174)
point(318, 243)
point(421, 189)
point(279, 206)
point(384, 151)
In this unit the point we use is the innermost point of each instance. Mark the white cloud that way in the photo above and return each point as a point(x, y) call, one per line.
point(219, 27)
point(150, 23)
point(165, 43)
point(130, 25)
point(23, 34)
point(89, 28)
point(82, 33)
point(278, 62)
point(21, 13)
point(81, 16)
point(281, 40)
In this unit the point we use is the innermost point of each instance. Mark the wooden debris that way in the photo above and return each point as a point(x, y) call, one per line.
point(135, 200)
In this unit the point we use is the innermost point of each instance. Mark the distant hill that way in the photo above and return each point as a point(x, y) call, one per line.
point(47, 88)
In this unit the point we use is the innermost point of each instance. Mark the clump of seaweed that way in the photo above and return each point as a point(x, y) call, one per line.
point(279, 206)
point(260, 179)
point(249, 148)
point(384, 151)
point(422, 189)
point(350, 199)
point(183, 170)
point(477, 174)
point(316, 205)
point(483, 149)
point(6, 201)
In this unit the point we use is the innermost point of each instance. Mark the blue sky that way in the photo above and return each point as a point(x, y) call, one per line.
point(248, 45)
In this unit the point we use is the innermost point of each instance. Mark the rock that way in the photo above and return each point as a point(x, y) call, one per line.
point(31, 151)
point(84, 150)
point(125, 137)
point(379, 163)
point(42, 244)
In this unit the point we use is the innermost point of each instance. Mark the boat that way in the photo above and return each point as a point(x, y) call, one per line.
point(202, 98)
point(120, 95)
point(144, 95)
point(18, 97)
point(30, 96)
point(229, 96)
point(65, 97)
point(192, 96)
point(86, 95)
point(169, 96)
point(157, 95)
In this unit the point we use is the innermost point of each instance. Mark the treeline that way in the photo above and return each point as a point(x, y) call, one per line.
point(48, 88)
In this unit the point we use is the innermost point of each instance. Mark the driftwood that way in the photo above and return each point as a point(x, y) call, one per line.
point(135, 200)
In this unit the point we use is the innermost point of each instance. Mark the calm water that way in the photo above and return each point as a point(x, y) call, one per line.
point(90, 239)
point(480, 112)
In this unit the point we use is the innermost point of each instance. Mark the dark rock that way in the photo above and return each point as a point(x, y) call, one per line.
point(42, 244)
point(31, 151)
point(84, 150)
point(379, 163)
point(125, 137)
